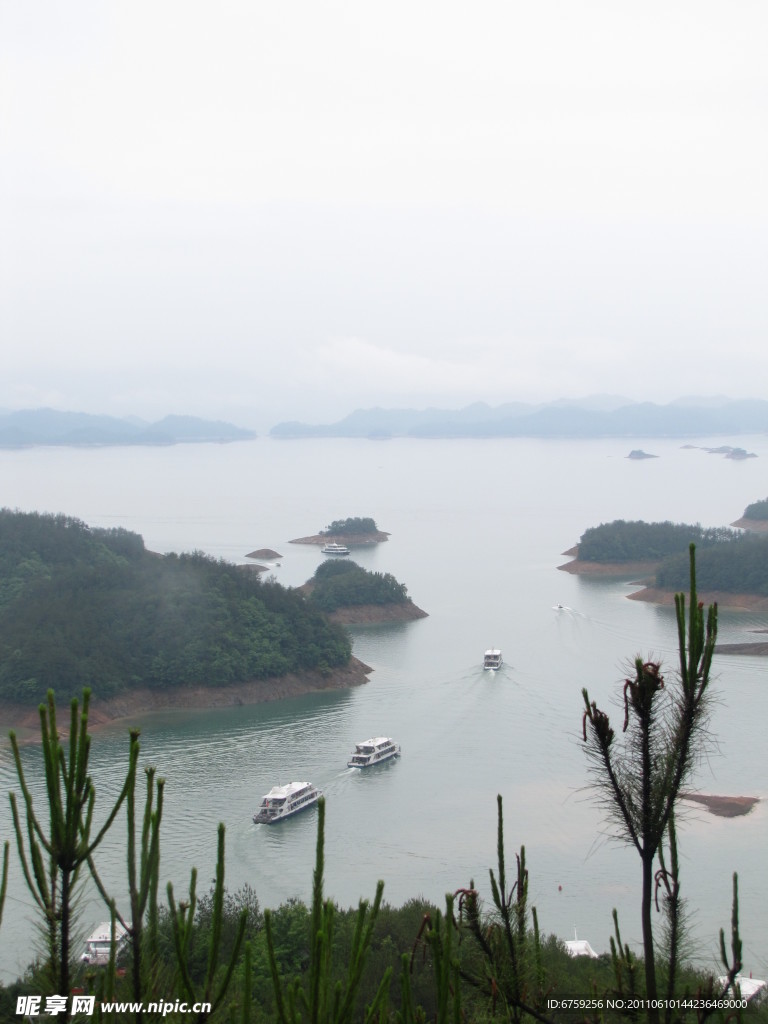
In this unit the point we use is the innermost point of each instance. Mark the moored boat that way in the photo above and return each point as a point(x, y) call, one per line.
point(283, 801)
point(373, 751)
point(332, 548)
point(492, 659)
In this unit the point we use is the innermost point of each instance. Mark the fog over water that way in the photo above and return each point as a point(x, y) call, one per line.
point(477, 530)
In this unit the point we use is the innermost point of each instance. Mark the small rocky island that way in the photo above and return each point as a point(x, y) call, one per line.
point(356, 531)
point(266, 553)
point(723, 806)
point(638, 453)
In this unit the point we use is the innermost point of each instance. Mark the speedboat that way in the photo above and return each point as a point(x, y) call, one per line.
point(283, 801)
point(98, 945)
point(332, 548)
point(492, 659)
point(373, 751)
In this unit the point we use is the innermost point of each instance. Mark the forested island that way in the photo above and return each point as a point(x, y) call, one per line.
point(359, 531)
point(732, 566)
point(81, 606)
point(350, 594)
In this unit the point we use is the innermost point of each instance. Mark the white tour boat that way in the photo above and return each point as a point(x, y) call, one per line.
point(99, 943)
point(332, 548)
point(492, 659)
point(373, 751)
point(283, 801)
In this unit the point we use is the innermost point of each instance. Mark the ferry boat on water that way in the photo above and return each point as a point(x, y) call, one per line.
point(99, 944)
point(373, 751)
point(283, 801)
point(492, 659)
point(332, 548)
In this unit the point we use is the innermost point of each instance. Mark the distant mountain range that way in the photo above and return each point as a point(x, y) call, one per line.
point(596, 416)
point(49, 426)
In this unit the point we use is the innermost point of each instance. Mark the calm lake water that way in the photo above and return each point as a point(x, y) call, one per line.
point(477, 532)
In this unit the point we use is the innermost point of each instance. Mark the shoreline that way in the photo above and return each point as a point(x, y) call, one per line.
point(355, 540)
point(722, 598)
point(377, 614)
point(751, 525)
point(135, 704)
point(613, 569)
point(655, 595)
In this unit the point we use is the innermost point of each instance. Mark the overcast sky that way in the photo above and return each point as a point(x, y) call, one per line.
point(269, 211)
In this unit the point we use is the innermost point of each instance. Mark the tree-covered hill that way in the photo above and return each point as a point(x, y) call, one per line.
point(727, 560)
point(637, 541)
point(738, 567)
point(351, 526)
point(758, 510)
point(346, 584)
point(81, 606)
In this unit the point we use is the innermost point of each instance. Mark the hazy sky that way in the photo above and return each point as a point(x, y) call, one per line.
point(269, 211)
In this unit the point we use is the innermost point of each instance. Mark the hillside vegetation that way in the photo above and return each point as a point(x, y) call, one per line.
point(757, 510)
point(738, 567)
point(346, 584)
point(350, 527)
point(637, 541)
point(81, 606)
point(727, 560)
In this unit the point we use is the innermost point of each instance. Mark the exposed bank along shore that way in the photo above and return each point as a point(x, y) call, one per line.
point(641, 574)
point(132, 704)
point(352, 540)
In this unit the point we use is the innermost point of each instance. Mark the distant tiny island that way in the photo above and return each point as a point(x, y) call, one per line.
point(638, 453)
point(359, 531)
point(731, 566)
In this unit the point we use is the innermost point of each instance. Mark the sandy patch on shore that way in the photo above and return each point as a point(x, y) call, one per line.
point(374, 614)
point(753, 525)
point(629, 569)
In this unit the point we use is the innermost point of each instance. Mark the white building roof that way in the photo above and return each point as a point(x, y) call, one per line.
point(580, 947)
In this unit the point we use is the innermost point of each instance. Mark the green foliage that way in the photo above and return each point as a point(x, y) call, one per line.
point(346, 584)
point(757, 510)
point(213, 986)
point(349, 527)
point(51, 863)
point(82, 607)
point(740, 566)
point(637, 541)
